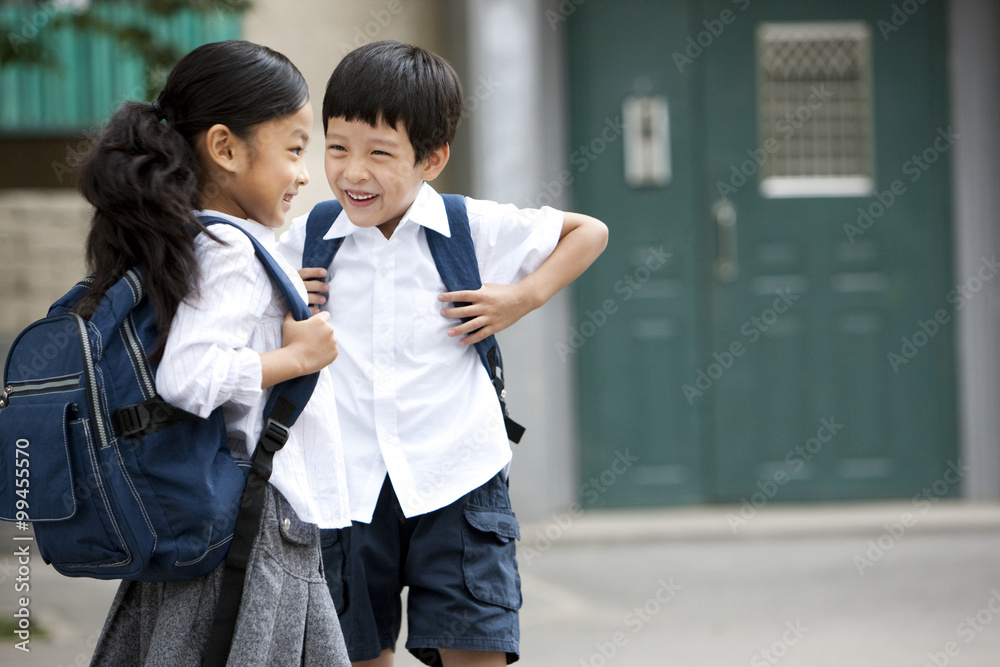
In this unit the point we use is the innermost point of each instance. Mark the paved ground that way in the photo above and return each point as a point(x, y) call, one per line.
point(872, 585)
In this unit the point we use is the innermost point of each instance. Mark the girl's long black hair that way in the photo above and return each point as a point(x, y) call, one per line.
point(145, 181)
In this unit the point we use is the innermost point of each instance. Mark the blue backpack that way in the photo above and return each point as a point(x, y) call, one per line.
point(456, 262)
point(117, 483)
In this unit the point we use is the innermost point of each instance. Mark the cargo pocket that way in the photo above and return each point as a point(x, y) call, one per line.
point(334, 544)
point(489, 562)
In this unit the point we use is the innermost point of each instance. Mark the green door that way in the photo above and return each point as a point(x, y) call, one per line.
point(798, 341)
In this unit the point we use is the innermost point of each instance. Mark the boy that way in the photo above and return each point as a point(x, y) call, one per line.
point(425, 445)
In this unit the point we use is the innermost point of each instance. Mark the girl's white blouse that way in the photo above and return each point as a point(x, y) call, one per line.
point(212, 359)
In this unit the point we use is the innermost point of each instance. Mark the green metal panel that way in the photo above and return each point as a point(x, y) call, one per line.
point(90, 72)
point(812, 407)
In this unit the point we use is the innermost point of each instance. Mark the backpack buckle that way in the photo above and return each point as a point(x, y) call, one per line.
point(130, 420)
point(274, 437)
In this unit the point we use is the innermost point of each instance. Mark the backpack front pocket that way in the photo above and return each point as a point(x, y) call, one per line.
point(50, 477)
point(37, 478)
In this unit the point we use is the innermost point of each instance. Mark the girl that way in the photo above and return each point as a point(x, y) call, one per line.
point(226, 137)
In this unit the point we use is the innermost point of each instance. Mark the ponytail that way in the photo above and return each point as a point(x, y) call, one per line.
point(144, 179)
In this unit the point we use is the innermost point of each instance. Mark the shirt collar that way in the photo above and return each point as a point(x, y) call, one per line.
point(260, 232)
point(427, 210)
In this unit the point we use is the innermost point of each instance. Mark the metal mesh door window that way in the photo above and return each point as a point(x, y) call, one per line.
point(814, 109)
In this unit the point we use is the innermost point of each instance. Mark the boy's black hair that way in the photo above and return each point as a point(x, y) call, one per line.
point(143, 177)
point(397, 83)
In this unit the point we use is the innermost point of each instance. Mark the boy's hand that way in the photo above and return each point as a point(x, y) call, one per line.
point(492, 308)
point(316, 287)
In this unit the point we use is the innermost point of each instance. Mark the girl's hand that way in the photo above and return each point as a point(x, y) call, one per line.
point(315, 286)
point(310, 341)
point(492, 308)
point(307, 346)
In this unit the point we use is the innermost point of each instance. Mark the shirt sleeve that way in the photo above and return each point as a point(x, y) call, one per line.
point(207, 361)
point(293, 241)
point(512, 242)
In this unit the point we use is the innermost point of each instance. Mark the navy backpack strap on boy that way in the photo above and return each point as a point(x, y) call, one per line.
point(286, 402)
point(456, 262)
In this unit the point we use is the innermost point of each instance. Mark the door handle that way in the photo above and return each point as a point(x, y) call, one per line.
point(726, 266)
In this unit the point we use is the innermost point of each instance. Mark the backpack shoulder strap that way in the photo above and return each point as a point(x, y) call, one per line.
point(318, 251)
point(457, 264)
point(278, 276)
point(285, 403)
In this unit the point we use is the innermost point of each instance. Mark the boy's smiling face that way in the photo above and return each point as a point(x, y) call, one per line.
point(372, 171)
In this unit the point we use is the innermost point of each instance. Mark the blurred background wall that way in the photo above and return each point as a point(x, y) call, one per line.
point(712, 137)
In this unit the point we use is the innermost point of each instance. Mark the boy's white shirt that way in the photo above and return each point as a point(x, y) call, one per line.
point(412, 401)
point(212, 358)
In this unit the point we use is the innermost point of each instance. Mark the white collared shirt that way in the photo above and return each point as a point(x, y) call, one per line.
point(414, 402)
point(212, 359)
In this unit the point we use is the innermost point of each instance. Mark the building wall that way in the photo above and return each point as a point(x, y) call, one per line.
point(516, 125)
point(974, 66)
point(41, 252)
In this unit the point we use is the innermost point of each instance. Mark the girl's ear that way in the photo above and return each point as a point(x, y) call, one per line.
point(435, 162)
point(222, 147)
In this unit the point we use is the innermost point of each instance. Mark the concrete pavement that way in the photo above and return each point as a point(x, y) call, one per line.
point(868, 585)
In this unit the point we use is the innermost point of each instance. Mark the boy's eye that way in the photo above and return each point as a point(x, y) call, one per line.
point(337, 147)
point(379, 153)
point(298, 150)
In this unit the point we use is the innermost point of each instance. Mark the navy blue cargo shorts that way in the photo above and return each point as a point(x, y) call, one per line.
point(459, 563)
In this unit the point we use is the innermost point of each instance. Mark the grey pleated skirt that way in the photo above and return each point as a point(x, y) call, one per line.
point(286, 616)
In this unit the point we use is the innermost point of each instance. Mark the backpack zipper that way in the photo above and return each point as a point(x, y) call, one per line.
point(90, 373)
point(138, 355)
point(41, 387)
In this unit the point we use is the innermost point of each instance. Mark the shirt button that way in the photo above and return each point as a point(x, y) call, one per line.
point(286, 524)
